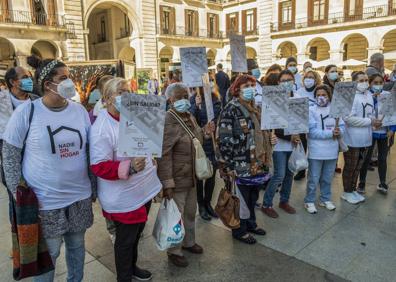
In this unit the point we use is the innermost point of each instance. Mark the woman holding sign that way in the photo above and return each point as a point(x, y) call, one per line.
point(380, 138)
point(125, 185)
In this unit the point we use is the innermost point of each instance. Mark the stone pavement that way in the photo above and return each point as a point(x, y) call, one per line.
point(355, 243)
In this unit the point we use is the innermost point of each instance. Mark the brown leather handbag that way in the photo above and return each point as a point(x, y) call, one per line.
point(227, 207)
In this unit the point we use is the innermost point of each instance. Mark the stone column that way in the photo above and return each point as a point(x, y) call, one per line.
point(336, 55)
point(373, 50)
point(176, 54)
point(138, 44)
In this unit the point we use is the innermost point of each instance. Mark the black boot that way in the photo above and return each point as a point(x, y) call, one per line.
point(211, 211)
point(203, 213)
point(300, 175)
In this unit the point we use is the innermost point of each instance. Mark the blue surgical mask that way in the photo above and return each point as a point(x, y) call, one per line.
point(292, 69)
point(377, 88)
point(333, 76)
point(26, 84)
point(256, 73)
point(288, 85)
point(117, 103)
point(248, 93)
point(309, 82)
point(182, 106)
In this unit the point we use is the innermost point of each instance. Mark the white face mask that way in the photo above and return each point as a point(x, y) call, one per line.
point(66, 89)
point(362, 86)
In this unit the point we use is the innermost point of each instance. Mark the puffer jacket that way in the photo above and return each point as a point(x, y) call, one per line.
point(176, 167)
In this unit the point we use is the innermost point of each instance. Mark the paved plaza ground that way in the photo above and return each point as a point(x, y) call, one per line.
point(356, 243)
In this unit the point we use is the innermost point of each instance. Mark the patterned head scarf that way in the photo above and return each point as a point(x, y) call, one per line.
point(46, 71)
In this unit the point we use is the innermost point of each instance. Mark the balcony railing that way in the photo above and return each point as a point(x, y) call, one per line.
point(31, 18)
point(336, 18)
point(124, 32)
point(203, 33)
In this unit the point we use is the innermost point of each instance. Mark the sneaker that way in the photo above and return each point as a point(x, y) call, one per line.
point(310, 207)
point(112, 238)
point(350, 198)
point(361, 188)
point(328, 205)
point(141, 274)
point(359, 197)
point(270, 212)
point(382, 188)
point(203, 213)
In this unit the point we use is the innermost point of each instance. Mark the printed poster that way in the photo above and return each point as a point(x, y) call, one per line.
point(194, 64)
point(387, 107)
point(238, 53)
point(141, 125)
point(5, 110)
point(298, 116)
point(274, 110)
point(343, 97)
point(208, 97)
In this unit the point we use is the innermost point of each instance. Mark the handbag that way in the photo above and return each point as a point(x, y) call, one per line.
point(203, 166)
point(227, 207)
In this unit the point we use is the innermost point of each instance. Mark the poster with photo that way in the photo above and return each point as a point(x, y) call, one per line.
point(274, 109)
point(238, 53)
point(343, 97)
point(194, 64)
point(298, 116)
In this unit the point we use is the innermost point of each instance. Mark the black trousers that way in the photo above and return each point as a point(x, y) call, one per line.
point(126, 248)
point(1, 164)
point(382, 159)
point(205, 191)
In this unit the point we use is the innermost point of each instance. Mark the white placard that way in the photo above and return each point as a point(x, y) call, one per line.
point(194, 64)
point(298, 116)
point(208, 97)
point(343, 97)
point(387, 107)
point(238, 53)
point(141, 125)
point(5, 110)
point(274, 109)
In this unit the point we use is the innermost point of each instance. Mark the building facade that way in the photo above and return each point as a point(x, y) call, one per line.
point(337, 30)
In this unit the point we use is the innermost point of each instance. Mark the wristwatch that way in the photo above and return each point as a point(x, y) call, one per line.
point(132, 170)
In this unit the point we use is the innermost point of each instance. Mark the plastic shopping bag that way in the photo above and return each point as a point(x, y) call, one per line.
point(298, 160)
point(168, 228)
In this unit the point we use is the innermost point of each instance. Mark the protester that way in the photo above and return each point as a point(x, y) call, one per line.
point(380, 139)
point(3, 86)
point(223, 82)
point(271, 76)
point(153, 86)
point(205, 188)
point(311, 80)
point(245, 153)
point(331, 76)
point(54, 164)
point(322, 150)
point(254, 70)
point(291, 65)
point(358, 137)
point(393, 74)
point(377, 65)
point(99, 105)
point(176, 169)
point(307, 67)
point(95, 95)
point(126, 186)
point(282, 151)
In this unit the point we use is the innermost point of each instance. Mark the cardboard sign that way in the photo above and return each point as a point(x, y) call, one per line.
point(194, 64)
point(274, 110)
point(238, 53)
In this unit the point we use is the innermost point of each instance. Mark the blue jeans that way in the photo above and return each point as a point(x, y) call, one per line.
point(282, 176)
point(320, 172)
point(75, 256)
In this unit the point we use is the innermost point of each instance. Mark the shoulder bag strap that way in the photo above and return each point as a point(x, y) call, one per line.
point(183, 124)
point(27, 132)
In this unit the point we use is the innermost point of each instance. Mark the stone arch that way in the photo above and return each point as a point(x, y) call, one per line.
point(7, 52)
point(286, 49)
point(389, 41)
point(251, 53)
point(355, 46)
point(318, 49)
point(211, 57)
point(127, 54)
point(165, 57)
point(45, 49)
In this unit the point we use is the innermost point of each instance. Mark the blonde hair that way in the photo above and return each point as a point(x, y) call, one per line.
point(318, 79)
point(112, 87)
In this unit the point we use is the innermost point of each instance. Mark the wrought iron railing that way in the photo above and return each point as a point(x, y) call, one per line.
point(32, 18)
point(336, 18)
point(202, 33)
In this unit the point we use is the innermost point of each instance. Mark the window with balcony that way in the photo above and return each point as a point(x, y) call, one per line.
point(102, 36)
point(249, 21)
point(4, 11)
point(167, 19)
point(191, 23)
point(126, 29)
point(318, 11)
point(353, 10)
point(232, 23)
point(286, 14)
point(392, 7)
point(213, 25)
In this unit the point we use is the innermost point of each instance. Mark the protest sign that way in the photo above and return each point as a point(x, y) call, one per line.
point(141, 125)
point(5, 110)
point(238, 53)
point(387, 107)
point(208, 97)
point(274, 108)
point(343, 97)
point(194, 64)
point(298, 116)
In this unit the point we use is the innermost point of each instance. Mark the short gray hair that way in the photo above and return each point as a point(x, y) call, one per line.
point(376, 57)
point(172, 88)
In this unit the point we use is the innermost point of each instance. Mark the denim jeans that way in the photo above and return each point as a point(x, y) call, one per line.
point(75, 256)
point(282, 175)
point(320, 172)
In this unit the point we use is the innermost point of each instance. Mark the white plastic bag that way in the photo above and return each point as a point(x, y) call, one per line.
point(168, 228)
point(342, 147)
point(298, 160)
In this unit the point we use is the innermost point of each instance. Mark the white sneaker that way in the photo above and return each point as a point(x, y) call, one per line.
point(350, 198)
point(310, 207)
point(359, 197)
point(328, 205)
point(112, 238)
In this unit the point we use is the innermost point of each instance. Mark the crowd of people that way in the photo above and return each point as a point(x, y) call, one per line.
point(68, 156)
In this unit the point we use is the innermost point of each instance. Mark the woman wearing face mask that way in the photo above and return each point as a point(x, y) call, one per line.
point(358, 137)
point(205, 188)
point(54, 164)
point(245, 153)
point(176, 167)
point(125, 185)
point(322, 150)
point(331, 76)
point(310, 81)
point(291, 65)
point(380, 138)
point(282, 151)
